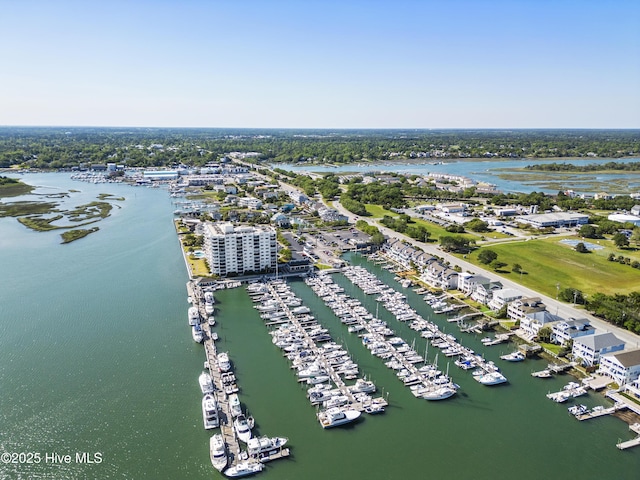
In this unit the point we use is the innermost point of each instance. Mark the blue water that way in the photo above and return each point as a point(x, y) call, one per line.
point(489, 171)
point(96, 356)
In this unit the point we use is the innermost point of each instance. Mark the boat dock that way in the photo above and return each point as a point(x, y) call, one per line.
point(600, 412)
point(298, 329)
point(224, 384)
point(633, 442)
point(226, 423)
point(465, 316)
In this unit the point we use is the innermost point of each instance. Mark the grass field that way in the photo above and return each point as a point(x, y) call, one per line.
point(548, 263)
point(376, 211)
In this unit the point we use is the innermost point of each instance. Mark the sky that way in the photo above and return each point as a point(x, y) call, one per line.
point(321, 63)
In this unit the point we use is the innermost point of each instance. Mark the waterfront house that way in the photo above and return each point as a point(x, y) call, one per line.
point(440, 276)
point(589, 348)
point(633, 388)
point(532, 315)
point(623, 368)
point(503, 297)
point(566, 330)
point(478, 287)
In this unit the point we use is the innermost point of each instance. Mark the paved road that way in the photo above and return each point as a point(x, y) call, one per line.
point(553, 306)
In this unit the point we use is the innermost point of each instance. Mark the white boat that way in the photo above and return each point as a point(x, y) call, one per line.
point(242, 428)
point(211, 321)
point(197, 334)
point(318, 379)
point(363, 386)
point(516, 356)
point(194, 316)
point(578, 410)
point(374, 408)
point(336, 416)
point(208, 298)
point(234, 405)
point(223, 362)
point(218, 452)
point(546, 373)
point(244, 469)
point(210, 412)
point(440, 393)
point(265, 445)
point(491, 378)
point(206, 383)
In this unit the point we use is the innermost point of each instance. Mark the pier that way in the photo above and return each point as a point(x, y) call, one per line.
point(224, 384)
point(600, 412)
point(226, 419)
point(633, 442)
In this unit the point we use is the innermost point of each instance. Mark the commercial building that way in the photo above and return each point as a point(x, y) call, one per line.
point(556, 219)
point(239, 250)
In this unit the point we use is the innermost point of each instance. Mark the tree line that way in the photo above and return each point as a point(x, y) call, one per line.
point(40, 147)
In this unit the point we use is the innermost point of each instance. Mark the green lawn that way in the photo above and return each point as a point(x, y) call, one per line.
point(548, 263)
point(376, 211)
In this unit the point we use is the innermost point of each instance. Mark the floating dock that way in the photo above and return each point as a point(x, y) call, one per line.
point(633, 442)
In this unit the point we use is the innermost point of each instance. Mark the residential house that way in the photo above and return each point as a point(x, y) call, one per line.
point(623, 368)
point(589, 348)
point(440, 276)
point(503, 297)
point(532, 315)
point(250, 202)
point(566, 330)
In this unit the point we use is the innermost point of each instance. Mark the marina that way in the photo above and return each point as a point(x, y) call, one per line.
point(129, 369)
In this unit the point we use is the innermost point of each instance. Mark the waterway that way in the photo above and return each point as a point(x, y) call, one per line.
point(505, 174)
point(96, 356)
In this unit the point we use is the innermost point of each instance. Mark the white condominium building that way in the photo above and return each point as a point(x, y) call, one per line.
point(239, 249)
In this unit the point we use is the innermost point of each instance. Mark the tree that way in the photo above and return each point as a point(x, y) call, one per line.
point(454, 243)
point(516, 268)
point(588, 231)
point(455, 228)
point(487, 256)
point(477, 225)
point(497, 264)
point(571, 295)
point(635, 236)
point(620, 240)
point(544, 334)
point(581, 248)
point(377, 238)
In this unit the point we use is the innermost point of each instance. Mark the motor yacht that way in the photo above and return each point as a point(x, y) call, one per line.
point(244, 469)
point(242, 428)
point(336, 416)
point(206, 383)
point(218, 452)
point(223, 362)
point(210, 412)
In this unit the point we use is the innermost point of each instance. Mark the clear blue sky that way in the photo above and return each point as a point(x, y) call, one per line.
point(321, 63)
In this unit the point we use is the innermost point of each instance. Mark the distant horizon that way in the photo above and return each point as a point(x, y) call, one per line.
point(417, 129)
